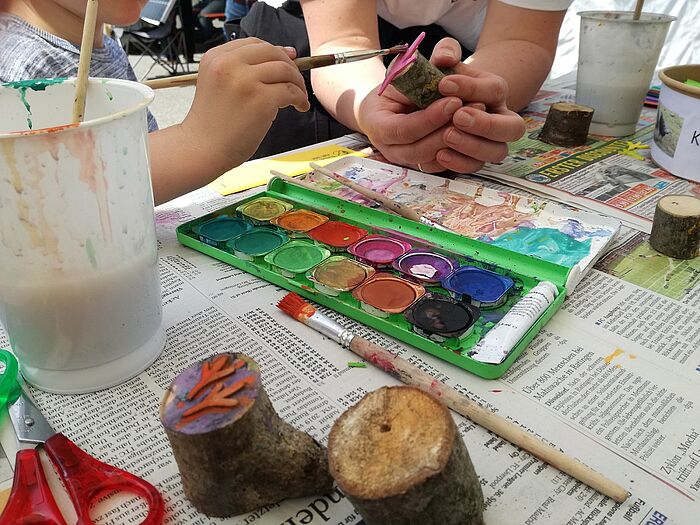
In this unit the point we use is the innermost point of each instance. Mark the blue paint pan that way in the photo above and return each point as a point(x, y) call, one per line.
point(482, 288)
point(216, 232)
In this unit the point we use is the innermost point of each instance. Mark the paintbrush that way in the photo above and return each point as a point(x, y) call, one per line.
point(385, 201)
point(303, 64)
point(407, 373)
point(86, 44)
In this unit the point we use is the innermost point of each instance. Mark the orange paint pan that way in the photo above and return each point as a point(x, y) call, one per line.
point(386, 294)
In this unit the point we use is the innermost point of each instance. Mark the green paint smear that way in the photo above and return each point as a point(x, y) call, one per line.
point(90, 252)
point(547, 244)
point(39, 84)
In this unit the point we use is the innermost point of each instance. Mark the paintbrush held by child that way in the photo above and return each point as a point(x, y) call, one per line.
point(241, 86)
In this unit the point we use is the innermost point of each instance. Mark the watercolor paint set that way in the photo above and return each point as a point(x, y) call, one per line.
point(438, 291)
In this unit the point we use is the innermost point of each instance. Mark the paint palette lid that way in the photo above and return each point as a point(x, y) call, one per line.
point(258, 241)
point(337, 234)
point(297, 256)
point(378, 249)
point(299, 220)
point(480, 285)
point(388, 293)
point(221, 228)
point(341, 273)
point(264, 208)
point(425, 266)
point(442, 315)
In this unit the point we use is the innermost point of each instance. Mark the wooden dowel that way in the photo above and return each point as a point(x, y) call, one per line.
point(638, 9)
point(86, 44)
point(411, 375)
point(176, 81)
point(389, 204)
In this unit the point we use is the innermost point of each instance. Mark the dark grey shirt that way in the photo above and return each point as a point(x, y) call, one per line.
point(27, 52)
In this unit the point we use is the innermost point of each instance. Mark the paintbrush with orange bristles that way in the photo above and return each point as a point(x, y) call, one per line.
point(407, 373)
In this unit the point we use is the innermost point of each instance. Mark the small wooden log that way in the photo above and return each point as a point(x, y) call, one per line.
point(233, 451)
point(567, 124)
point(399, 459)
point(676, 228)
point(419, 81)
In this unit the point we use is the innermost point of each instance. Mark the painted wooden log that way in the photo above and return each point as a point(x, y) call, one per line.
point(234, 453)
point(567, 124)
point(419, 81)
point(399, 459)
point(676, 228)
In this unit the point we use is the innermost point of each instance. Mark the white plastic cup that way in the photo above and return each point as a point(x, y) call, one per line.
point(617, 58)
point(80, 293)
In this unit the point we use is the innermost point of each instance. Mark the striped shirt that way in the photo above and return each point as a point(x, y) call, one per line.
point(27, 52)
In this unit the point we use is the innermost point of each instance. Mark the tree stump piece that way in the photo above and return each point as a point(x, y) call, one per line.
point(567, 124)
point(419, 81)
point(676, 228)
point(233, 451)
point(399, 459)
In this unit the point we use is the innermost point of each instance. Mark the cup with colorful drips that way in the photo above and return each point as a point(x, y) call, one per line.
point(80, 294)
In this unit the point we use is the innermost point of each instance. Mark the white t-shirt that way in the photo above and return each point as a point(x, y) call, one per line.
point(463, 19)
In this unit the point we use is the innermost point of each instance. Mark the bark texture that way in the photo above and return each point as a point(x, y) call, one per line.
point(399, 459)
point(233, 451)
point(676, 228)
point(419, 81)
point(567, 124)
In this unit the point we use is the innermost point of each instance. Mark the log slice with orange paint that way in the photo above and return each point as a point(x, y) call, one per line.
point(234, 453)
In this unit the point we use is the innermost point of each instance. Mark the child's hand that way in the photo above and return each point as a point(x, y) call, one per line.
point(240, 87)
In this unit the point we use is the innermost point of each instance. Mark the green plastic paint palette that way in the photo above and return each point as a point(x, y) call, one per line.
point(298, 265)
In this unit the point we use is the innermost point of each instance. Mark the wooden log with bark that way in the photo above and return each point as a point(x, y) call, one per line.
point(419, 81)
point(676, 228)
point(398, 457)
point(567, 124)
point(233, 451)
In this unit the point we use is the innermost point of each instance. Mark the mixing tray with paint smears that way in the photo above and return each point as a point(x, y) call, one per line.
point(377, 268)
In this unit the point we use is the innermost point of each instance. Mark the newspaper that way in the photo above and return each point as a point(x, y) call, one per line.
point(612, 380)
point(615, 177)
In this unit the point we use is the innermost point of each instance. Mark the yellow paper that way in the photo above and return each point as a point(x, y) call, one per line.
point(257, 172)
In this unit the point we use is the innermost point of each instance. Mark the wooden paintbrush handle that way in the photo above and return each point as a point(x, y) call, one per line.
point(389, 204)
point(411, 375)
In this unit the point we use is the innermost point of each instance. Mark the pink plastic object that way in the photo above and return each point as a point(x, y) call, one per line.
point(403, 60)
point(86, 479)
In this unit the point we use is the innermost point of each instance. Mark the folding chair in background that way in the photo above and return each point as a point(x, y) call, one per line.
point(160, 36)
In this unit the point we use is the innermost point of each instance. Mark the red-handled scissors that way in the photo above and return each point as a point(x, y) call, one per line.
point(85, 478)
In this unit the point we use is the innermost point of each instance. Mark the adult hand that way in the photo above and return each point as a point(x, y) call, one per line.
point(403, 134)
point(476, 136)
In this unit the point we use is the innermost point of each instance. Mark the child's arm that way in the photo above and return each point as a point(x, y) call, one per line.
point(240, 87)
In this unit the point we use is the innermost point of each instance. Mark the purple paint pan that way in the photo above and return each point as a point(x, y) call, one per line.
point(425, 266)
point(377, 250)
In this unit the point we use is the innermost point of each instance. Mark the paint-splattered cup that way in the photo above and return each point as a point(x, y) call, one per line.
point(80, 294)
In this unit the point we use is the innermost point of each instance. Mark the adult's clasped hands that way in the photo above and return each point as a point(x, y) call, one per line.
point(460, 132)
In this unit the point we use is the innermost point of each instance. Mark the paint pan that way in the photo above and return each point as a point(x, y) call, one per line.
point(337, 235)
point(425, 266)
point(262, 210)
point(442, 318)
point(296, 257)
point(483, 288)
point(217, 231)
point(298, 222)
point(378, 250)
point(386, 294)
point(339, 274)
point(256, 242)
